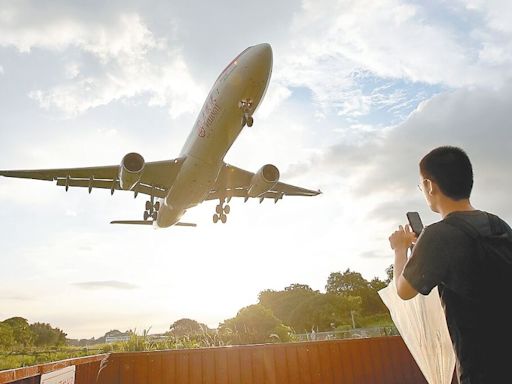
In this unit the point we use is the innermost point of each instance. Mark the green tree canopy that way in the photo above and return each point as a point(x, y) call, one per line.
point(23, 335)
point(187, 327)
point(389, 273)
point(254, 324)
point(45, 334)
point(303, 308)
point(347, 283)
point(283, 303)
point(6, 336)
point(350, 283)
point(322, 312)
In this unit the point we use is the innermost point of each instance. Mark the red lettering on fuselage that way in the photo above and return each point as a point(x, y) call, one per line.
point(210, 111)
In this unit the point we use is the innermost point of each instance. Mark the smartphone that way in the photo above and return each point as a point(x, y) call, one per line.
point(415, 222)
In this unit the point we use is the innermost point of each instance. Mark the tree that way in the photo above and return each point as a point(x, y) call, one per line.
point(254, 324)
point(351, 283)
point(389, 274)
point(21, 330)
point(323, 311)
point(45, 334)
point(187, 327)
point(302, 308)
point(6, 336)
point(296, 287)
point(372, 302)
point(282, 303)
point(346, 283)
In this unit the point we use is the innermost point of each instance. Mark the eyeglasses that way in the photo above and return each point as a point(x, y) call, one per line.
point(420, 186)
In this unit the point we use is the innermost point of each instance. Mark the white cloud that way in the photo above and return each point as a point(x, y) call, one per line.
point(276, 94)
point(71, 213)
point(1, 70)
point(385, 170)
point(334, 42)
point(132, 62)
point(106, 284)
point(72, 70)
point(497, 13)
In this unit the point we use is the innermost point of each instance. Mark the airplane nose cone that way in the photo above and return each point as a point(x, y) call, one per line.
point(264, 52)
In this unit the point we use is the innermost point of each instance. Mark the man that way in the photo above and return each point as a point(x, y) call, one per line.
point(476, 303)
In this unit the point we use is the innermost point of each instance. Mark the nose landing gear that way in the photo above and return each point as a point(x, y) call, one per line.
point(221, 212)
point(246, 107)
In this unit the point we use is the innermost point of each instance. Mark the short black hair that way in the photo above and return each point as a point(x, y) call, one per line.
point(450, 168)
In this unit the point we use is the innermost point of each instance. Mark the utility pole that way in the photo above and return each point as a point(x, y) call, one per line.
point(353, 321)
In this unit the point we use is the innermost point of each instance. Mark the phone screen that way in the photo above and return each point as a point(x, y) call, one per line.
point(415, 222)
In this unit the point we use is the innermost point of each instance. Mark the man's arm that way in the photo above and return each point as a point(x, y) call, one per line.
point(400, 241)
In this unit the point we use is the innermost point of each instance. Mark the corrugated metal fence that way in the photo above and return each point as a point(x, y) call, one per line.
point(380, 360)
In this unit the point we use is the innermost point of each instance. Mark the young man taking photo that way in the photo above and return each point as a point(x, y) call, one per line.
point(468, 255)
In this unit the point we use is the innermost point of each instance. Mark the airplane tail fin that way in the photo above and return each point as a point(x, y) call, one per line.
point(180, 224)
point(133, 222)
point(149, 222)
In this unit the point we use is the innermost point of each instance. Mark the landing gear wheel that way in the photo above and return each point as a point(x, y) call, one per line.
point(154, 215)
point(249, 121)
point(244, 121)
point(148, 205)
point(157, 206)
point(146, 215)
point(221, 211)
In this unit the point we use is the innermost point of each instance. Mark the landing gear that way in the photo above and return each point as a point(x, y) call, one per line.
point(246, 107)
point(152, 209)
point(221, 212)
point(247, 120)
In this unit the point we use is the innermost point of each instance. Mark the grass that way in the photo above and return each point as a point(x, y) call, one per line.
point(136, 343)
point(11, 360)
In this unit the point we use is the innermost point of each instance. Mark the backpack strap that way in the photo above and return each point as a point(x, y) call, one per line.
point(464, 226)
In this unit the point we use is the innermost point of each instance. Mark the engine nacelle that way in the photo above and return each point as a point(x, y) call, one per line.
point(130, 170)
point(263, 180)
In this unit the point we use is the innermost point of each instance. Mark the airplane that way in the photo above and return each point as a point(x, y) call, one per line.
point(199, 173)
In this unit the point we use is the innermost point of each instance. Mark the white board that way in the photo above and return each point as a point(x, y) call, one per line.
point(61, 376)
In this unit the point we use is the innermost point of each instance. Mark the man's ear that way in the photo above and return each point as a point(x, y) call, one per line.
point(431, 187)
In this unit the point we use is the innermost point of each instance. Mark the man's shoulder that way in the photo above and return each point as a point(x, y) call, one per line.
point(484, 222)
point(440, 228)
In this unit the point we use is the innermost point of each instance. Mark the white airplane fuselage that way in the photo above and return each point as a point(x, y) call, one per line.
point(218, 125)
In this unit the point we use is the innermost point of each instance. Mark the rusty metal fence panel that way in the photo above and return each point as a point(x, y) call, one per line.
point(361, 361)
point(384, 360)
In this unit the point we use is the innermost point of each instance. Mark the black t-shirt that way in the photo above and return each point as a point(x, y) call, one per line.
point(479, 326)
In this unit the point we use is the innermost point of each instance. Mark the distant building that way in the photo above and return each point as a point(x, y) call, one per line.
point(117, 338)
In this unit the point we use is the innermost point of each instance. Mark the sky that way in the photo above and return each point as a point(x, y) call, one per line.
point(360, 91)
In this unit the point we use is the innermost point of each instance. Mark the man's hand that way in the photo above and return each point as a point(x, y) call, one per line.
point(402, 239)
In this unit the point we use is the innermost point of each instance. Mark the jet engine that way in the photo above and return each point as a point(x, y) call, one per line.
point(263, 180)
point(130, 170)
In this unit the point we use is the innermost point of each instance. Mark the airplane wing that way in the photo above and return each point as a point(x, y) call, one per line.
point(156, 178)
point(235, 182)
